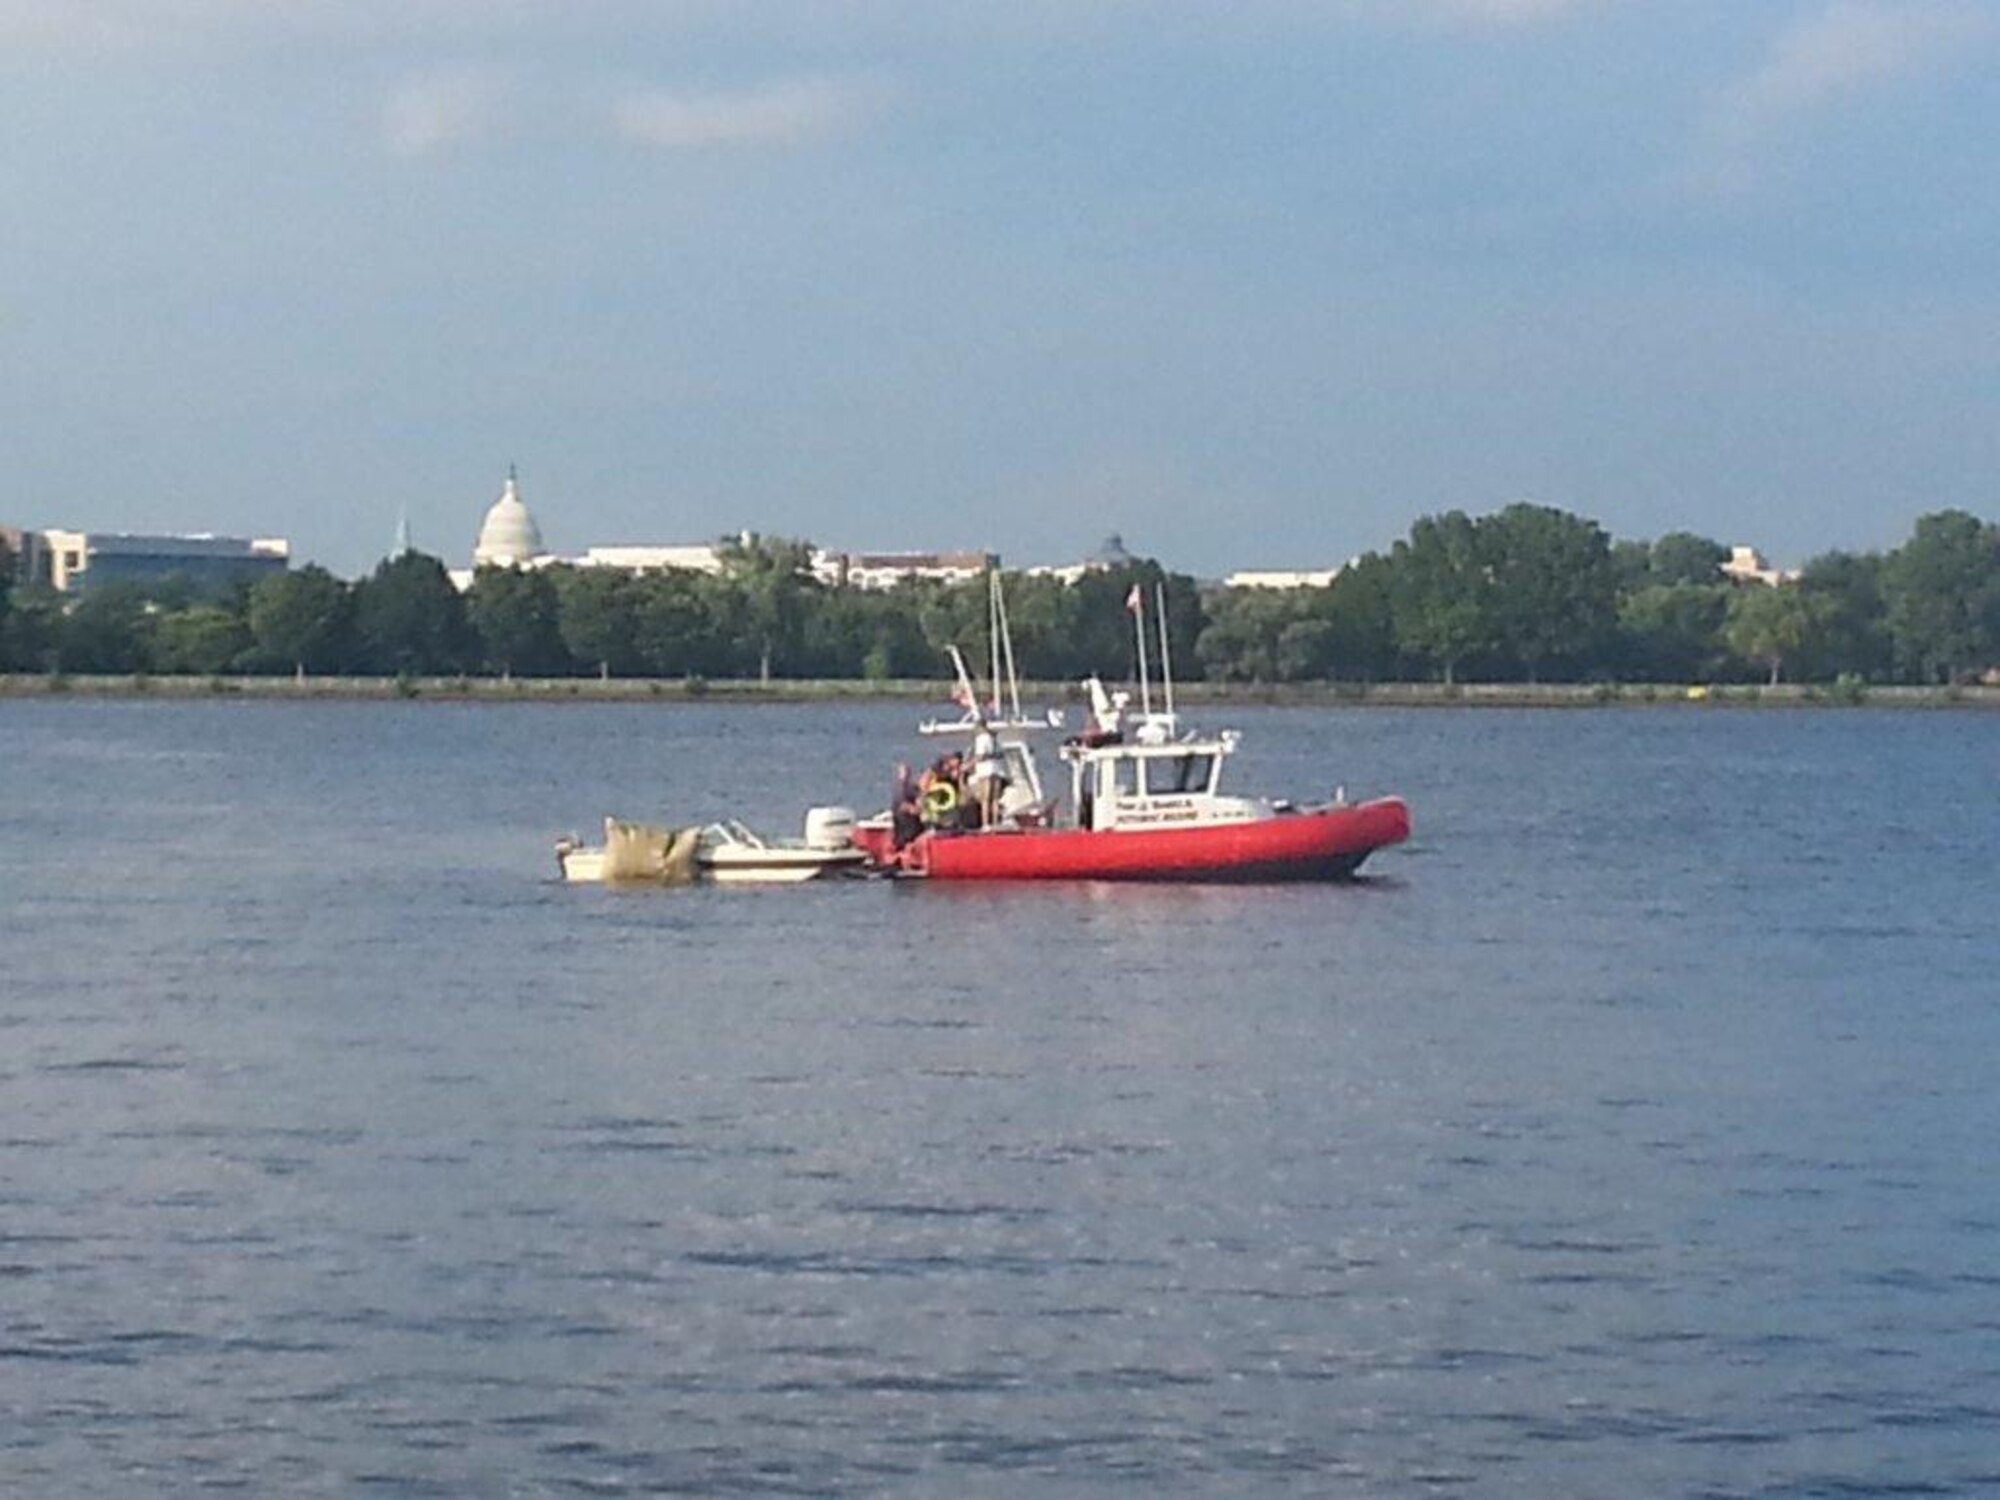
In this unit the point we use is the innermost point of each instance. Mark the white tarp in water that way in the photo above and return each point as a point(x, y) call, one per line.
point(641, 853)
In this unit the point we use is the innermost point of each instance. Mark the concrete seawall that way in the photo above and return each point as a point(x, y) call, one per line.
point(641, 690)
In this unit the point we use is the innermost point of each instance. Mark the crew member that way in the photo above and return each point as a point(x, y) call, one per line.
point(987, 778)
point(906, 818)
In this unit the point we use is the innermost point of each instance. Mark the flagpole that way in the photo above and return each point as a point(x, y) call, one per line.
point(1166, 657)
point(1136, 602)
point(993, 627)
point(1007, 650)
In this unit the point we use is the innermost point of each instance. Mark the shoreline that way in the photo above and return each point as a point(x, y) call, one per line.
point(1306, 695)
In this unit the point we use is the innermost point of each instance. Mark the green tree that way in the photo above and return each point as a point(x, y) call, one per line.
point(31, 632)
point(1683, 557)
point(1042, 614)
point(1240, 643)
point(106, 630)
point(1441, 593)
point(1104, 635)
point(1360, 620)
point(410, 618)
point(301, 620)
point(518, 619)
point(1673, 631)
point(1633, 562)
point(1771, 625)
point(1941, 590)
point(869, 633)
point(1304, 650)
point(1854, 636)
point(774, 577)
point(596, 616)
point(1554, 588)
point(684, 624)
point(201, 640)
point(953, 615)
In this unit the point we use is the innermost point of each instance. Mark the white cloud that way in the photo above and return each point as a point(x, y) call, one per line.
point(1849, 46)
point(796, 113)
point(1839, 52)
point(433, 113)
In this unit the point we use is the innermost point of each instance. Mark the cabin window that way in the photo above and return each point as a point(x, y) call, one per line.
point(1170, 774)
point(1124, 776)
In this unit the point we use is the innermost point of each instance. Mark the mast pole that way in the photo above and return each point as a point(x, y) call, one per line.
point(1138, 600)
point(966, 686)
point(1166, 654)
point(993, 630)
point(1007, 648)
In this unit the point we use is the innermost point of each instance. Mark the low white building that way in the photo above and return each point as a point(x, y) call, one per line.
point(884, 570)
point(1280, 578)
point(693, 558)
point(1747, 565)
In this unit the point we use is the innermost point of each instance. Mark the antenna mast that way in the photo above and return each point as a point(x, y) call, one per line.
point(1136, 600)
point(995, 626)
point(1007, 648)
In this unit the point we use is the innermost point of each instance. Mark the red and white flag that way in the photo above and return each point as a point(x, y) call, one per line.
point(1134, 600)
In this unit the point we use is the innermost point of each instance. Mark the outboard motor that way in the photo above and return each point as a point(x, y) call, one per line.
point(829, 828)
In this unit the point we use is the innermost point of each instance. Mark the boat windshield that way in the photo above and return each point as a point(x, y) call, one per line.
point(1169, 774)
point(1124, 775)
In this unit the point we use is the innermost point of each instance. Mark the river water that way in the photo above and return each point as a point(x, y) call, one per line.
point(1630, 1131)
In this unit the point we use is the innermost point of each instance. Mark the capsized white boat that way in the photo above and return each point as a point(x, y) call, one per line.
point(726, 853)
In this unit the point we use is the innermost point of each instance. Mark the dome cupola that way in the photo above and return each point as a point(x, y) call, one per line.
point(508, 537)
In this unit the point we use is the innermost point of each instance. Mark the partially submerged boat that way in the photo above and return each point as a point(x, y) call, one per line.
point(726, 853)
point(1146, 803)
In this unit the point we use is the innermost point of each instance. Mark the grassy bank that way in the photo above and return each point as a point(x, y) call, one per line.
point(630, 690)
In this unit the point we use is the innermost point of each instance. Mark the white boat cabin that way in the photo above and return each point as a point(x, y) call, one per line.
point(1130, 770)
point(1135, 771)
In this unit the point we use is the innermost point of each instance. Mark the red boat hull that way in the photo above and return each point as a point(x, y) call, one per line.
point(1326, 843)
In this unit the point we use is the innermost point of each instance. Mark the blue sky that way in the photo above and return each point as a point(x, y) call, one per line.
point(1255, 283)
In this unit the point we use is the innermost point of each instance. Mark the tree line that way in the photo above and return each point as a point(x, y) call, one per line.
point(1528, 593)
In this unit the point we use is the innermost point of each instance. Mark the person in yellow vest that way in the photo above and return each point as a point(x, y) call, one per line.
point(942, 793)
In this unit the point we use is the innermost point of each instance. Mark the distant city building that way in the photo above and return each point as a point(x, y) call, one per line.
point(1110, 555)
point(883, 570)
point(27, 558)
point(79, 561)
point(508, 537)
point(1280, 578)
point(691, 558)
point(1747, 565)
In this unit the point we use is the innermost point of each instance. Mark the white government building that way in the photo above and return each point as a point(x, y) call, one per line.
point(510, 538)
